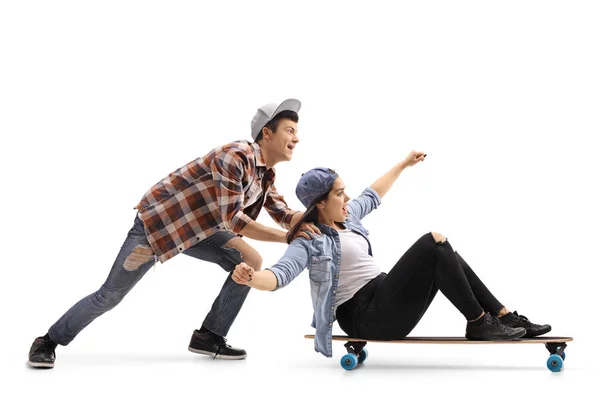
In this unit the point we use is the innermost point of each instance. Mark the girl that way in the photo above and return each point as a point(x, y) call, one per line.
point(346, 281)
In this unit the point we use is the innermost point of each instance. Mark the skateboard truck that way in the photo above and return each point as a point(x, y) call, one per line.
point(557, 355)
point(357, 354)
point(355, 347)
point(556, 348)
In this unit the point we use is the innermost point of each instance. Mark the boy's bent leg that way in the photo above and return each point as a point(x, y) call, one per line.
point(231, 298)
point(227, 250)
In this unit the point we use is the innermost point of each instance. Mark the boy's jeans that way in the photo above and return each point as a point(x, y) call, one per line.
point(121, 280)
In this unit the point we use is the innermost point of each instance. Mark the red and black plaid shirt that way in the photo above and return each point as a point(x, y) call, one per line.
point(224, 190)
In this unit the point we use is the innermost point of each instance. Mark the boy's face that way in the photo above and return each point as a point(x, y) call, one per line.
point(283, 141)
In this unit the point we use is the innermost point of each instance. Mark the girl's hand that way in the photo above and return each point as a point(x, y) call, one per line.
point(414, 157)
point(242, 274)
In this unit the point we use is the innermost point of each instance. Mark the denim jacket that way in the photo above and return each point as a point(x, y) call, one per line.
point(322, 257)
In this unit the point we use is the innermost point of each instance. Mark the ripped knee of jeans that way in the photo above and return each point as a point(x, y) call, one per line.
point(139, 256)
point(438, 237)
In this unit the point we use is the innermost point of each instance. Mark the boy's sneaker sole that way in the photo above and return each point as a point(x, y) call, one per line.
point(214, 355)
point(40, 365)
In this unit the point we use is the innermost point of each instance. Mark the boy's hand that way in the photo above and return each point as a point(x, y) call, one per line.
point(309, 227)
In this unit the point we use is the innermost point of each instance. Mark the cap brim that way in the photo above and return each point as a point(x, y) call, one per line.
point(288, 105)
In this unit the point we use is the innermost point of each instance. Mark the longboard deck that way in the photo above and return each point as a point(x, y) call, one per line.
point(454, 340)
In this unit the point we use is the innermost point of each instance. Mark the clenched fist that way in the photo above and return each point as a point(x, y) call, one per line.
point(414, 157)
point(242, 274)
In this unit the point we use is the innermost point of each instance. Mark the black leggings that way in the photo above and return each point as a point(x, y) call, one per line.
point(391, 305)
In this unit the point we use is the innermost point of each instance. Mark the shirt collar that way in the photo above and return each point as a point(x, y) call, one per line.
point(258, 156)
point(329, 230)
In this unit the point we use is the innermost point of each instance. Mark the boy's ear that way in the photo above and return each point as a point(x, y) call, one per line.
point(267, 133)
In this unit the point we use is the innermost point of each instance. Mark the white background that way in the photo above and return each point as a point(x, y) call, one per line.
point(100, 100)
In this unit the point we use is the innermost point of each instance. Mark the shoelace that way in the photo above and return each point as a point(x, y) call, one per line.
point(221, 345)
point(521, 317)
point(494, 321)
point(530, 324)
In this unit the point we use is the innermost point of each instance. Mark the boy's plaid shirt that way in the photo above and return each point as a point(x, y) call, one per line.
point(223, 190)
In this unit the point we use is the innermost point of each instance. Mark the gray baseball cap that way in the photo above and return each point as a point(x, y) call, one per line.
point(314, 183)
point(266, 113)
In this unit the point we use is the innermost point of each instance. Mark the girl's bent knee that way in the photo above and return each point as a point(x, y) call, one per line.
point(438, 237)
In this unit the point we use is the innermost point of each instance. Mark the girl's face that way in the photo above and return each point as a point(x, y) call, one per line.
point(333, 209)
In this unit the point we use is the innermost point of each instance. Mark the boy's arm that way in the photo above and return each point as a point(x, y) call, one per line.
point(285, 217)
point(279, 210)
point(228, 170)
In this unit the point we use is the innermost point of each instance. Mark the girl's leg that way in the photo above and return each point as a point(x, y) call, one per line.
point(404, 295)
point(482, 294)
point(494, 307)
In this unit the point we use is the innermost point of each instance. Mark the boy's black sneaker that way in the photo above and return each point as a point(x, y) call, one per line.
point(514, 320)
point(490, 328)
point(214, 345)
point(41, 354)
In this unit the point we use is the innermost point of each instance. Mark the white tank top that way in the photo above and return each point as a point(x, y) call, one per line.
point(357, 267)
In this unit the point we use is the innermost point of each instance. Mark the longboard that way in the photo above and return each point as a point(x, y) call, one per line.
point(357, 353)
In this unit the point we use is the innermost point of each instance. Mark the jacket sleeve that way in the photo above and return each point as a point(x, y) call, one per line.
point(361, 206)
point(293, 262)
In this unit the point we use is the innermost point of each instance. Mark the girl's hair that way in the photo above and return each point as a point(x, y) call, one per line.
point(310, 215)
